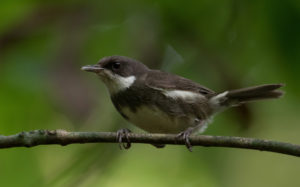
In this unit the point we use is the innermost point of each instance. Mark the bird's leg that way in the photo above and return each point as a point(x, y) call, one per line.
point(121, 133)
point(185, 136)
point(199, 127)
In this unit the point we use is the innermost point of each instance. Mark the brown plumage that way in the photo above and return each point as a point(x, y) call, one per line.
point(161, 102)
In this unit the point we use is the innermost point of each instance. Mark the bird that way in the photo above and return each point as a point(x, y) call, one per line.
point(161, 102)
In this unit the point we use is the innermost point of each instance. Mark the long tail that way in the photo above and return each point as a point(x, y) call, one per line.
point(240, 96)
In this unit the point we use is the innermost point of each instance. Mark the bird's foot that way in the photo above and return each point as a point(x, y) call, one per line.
point(121, 133)
point(185, 136)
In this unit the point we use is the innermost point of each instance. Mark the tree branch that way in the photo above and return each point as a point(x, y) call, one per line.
point(62, 137)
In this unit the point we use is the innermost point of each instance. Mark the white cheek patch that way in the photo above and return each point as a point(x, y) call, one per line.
point(116, 83)
point(187, 95)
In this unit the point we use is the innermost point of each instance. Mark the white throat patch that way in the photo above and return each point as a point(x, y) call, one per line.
point(116, 83)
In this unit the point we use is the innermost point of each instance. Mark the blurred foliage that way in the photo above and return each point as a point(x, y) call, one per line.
point(220, 44)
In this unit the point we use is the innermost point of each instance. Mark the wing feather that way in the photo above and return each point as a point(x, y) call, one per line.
point(162, 80)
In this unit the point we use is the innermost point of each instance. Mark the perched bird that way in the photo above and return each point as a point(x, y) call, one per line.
point(160, 102)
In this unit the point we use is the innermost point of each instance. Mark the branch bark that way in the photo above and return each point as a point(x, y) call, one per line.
point(62, 137)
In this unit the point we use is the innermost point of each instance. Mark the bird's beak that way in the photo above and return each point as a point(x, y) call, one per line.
point(92, 68)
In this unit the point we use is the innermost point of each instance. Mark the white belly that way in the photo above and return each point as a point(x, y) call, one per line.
point(156, 121)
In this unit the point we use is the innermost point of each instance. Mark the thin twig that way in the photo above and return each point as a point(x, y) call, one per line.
point(62, 137)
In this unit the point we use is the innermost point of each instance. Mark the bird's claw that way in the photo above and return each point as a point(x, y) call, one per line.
point(185, 136)
point(121, 133)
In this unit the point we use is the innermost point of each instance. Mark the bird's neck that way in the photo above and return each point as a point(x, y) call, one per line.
point(119, 83)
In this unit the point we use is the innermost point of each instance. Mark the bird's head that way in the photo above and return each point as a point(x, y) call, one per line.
point(117, 72)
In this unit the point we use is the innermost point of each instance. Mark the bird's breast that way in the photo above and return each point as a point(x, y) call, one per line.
point(154, 120)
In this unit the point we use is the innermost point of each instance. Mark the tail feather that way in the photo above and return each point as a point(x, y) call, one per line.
point(268, 91)
point(240, 96)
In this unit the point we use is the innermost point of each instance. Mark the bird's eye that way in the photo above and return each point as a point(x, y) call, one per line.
point(116, 65)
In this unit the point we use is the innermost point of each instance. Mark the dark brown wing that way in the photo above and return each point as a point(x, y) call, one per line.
point(162, 80)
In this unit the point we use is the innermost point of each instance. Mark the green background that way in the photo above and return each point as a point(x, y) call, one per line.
point(222, 44)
